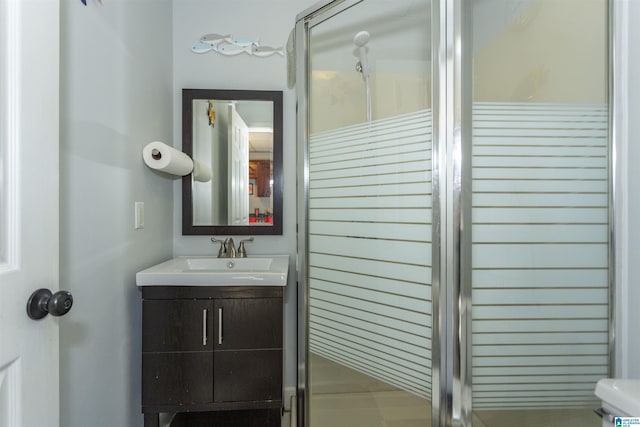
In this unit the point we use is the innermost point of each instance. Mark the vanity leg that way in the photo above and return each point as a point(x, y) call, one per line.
point(151, 420)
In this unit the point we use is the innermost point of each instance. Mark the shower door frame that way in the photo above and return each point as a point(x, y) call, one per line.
point(451, 89)
point(442, 388)
point(304, 22)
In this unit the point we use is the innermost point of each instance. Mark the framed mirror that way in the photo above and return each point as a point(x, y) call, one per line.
point(235, 140)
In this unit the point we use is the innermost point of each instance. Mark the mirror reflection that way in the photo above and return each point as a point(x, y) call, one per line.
point(236, 134)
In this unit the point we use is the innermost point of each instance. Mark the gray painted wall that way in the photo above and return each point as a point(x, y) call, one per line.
point(116, 96)
point(194, 18)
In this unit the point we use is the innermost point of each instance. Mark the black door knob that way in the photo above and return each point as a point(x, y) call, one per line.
point(42, 302)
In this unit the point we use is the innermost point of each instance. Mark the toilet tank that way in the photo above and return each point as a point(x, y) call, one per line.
point(620, 399)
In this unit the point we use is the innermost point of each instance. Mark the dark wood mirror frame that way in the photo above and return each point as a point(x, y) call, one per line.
point(188, 95)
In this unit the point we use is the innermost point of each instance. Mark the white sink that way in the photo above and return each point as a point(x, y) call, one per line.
point(267, 270)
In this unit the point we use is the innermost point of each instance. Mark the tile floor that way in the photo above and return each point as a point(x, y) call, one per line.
point(341, 397)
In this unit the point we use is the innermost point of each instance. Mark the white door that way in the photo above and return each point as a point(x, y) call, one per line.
point(239, 169)
point(29, 93)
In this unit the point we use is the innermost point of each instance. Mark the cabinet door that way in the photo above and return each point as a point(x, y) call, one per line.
point(248, 350)
point(177, 352)
point(248, 375)
point(177, 325)
point(177, 378)
point(248, 323)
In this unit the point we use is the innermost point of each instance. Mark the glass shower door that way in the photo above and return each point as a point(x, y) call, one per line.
point(540, 211)
point(491, 296)
point(369, 217)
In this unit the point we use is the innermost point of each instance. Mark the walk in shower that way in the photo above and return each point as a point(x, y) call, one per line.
point(455, 263)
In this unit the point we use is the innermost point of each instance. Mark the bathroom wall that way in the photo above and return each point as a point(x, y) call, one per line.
point(270, 22)
point(115, 97)
point(543, 54)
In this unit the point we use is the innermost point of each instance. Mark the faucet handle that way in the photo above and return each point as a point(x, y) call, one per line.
point(222, 251)
point(242, 252)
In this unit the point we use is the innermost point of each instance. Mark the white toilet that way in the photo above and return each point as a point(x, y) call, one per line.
point(620, 398)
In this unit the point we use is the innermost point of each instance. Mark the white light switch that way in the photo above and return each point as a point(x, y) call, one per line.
point(139, 215)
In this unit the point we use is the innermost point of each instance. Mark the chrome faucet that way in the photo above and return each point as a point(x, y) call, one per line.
point(228, 248)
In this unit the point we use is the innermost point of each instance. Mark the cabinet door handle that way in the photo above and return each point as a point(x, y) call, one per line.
point(204, 327)
point(220, 326)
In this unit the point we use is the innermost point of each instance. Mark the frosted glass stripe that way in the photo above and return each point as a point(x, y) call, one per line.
point(517, 390)
point(540, 161)
point(536, 325)
point(369, 170)
point(539, 185)
point(374, 249)
point(511, 360)
point(486, 116)
point(381, 159)
point(534, 151)
point(541, 350)
point(531, 125)
point(539, 173)
point(545, 337)
point(418, 273)
point(396, 231)
point(514, 278)
point(537, 233)
point(519, 380)
point(541, 132)
point(372, 202)
point(370, 249)
point(524, 256)
point(540, 215)
point(499, 375)
point(399, 189)
point(540, 312)
point(422, 176)
point(498, 297)
point(383, 215)
point(547, 200)
point(538, 141)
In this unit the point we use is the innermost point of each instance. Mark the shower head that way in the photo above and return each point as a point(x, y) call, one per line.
point(360, 40)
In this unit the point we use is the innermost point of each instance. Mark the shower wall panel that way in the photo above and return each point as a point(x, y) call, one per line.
point(370, 249)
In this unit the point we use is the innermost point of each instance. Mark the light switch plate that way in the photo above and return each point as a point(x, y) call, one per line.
point(139, 215)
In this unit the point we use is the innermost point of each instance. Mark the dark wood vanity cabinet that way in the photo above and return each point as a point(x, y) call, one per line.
point(211, 349)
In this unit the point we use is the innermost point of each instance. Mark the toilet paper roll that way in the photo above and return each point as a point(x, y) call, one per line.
point(201, 173)
point(159, 156)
